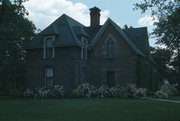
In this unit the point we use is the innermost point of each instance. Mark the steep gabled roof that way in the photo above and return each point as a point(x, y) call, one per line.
point(62, 28)
point(139, 37)
point(68, 32)
point(120, 31)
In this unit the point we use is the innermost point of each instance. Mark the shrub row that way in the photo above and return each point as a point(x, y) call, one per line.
point(89, 91)
point(55, 92)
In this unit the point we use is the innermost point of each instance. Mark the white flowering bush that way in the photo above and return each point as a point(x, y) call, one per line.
point(161, 94)
point(121, 92)
point(130, 90)
point(55, 92)
point(169, 89)
point(113, 92)
point(84, 90)
point(103, 91)
point(166, 91)
point(140, 92)
point(28, 93)
point(133, 91)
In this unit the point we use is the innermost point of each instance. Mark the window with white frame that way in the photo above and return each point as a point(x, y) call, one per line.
point(49, 77)
point(84, 48)
point(48, 47)
point(110, 49)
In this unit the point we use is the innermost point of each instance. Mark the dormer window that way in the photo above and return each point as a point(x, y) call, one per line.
point(110, 49)
point(48, 47)
point(84, 48)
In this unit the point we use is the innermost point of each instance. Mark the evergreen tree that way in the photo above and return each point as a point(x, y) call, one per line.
point(15, 29)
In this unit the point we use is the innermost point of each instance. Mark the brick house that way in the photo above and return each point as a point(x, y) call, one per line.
point(69, 53)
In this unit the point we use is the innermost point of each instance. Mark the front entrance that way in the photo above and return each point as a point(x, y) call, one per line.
point(111, 78)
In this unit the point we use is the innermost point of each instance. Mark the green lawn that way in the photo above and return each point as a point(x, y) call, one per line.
point(88, 110)
point(175, 98)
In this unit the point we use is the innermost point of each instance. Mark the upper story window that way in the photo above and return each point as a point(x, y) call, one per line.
point(49, 76)
point(48, 47)
point(84, 48)
point(110, 49)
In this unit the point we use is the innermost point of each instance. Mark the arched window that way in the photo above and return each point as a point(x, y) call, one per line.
point(84, 48)
point(48, 47)
point(110, 49)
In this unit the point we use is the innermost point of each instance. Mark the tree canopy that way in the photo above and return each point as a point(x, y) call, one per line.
point(168, 25)
point(15, 29)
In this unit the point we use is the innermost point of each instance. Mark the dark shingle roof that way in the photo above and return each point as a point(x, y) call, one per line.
point(68, 32)
point(62, 28)
point(139, 37)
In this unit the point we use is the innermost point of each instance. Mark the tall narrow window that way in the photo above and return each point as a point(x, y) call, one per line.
point(84, 48)
point(48, 47)
point(110, 50)
point(49, 77)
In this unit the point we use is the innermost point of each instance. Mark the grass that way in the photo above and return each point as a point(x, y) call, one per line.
point(177, 98)
point(88, 110)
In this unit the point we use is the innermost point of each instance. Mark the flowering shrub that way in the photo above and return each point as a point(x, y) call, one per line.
point(166, 91)
point(103, 91)
point(161, 94)
point(140, 92)
point(132, 91)
point(87, 90)
point(28, 93)
point(84, 90)
point(169, 89)
point(121, 92)
point(55, 92)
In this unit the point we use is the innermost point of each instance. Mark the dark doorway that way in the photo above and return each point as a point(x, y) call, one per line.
point(111, 78)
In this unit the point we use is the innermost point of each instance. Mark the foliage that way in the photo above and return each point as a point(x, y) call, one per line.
point(103, 91)
point(166, 91)
point(88, 91)
point(14, 93)
point(161, 94)
point(162, 57)
point(84, 90)
point(28, 93)
point(169, 89)
point(127, 27)
point(132, 91)
point(148, 76)
point(140, 92)
point(55, 92)
point(167, 27)
point(15, 29)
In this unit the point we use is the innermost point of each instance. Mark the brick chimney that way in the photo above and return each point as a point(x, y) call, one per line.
point(94, 16)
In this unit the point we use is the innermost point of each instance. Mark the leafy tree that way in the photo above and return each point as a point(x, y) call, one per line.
point(167, 27)
point(163, 59)
point(127, 27)
point(15, 29)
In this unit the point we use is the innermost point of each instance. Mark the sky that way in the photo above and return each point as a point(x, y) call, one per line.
point(44, 12)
